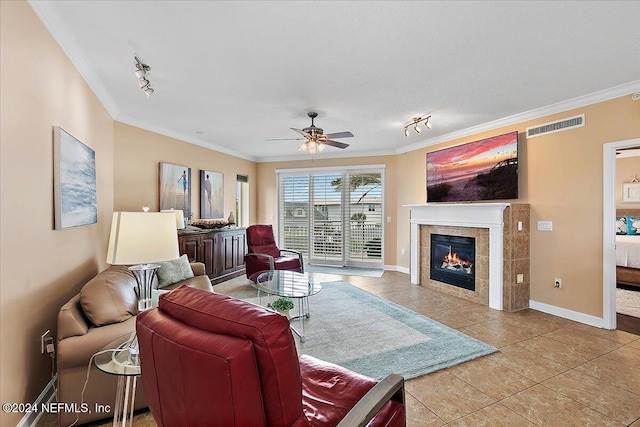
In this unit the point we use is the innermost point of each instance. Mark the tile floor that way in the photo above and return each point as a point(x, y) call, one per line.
point(549, 371)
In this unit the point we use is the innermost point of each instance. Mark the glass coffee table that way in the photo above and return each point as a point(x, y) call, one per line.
point(289, 284)
point(121, 357)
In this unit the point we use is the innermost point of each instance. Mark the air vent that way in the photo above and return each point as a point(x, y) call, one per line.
point(560, 125)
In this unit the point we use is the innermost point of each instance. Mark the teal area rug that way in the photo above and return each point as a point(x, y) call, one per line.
point(375, 337)
point(344, 271)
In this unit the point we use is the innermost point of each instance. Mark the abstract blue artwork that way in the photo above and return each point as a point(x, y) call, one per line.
point(75, 198)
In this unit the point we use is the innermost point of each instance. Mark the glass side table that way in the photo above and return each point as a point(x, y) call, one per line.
point(289, 284)
point(120, 357)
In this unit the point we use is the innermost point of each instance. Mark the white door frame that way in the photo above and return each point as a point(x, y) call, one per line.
point(609, 229)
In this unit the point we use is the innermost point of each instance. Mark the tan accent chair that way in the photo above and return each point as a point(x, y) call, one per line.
point(104, 310)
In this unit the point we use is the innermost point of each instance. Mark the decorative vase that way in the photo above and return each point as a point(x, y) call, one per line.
point(284, 313)
point(231, 219)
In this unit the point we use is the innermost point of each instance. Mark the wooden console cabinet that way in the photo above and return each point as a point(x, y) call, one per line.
point(222, 251)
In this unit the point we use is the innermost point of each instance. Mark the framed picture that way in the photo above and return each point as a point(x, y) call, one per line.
point(175, 188)
point(74, 181)
point(631, 192)
point(211, 195)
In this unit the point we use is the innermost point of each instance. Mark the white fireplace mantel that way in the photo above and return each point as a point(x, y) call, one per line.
point(479, 215)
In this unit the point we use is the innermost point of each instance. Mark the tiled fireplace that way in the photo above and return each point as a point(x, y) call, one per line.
point(500, 232)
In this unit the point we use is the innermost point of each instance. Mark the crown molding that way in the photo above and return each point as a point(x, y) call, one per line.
point(322, 156)
point(571, 104)
point(52, 21)
point(182, 137)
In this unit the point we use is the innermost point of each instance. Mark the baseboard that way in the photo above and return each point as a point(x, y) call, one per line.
point(47, 395)
point(397, 268)
point(576, 316)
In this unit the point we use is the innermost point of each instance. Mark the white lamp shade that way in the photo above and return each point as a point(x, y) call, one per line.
point(179, 217)
point(142, 238)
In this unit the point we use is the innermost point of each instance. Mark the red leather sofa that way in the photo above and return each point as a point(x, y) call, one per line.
point(211, 360)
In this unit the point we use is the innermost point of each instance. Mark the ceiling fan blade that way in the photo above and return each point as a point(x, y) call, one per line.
point(335, 144)
point(301, 132)
point(286, 139)
point(346, 134)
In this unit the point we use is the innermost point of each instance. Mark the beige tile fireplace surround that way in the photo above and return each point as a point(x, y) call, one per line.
point(501, 232)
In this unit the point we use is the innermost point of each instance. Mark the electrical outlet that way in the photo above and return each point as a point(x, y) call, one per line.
point(519, 278)
point(403, 251)
point(49, 345)
point(43, 341)
point(557, 283)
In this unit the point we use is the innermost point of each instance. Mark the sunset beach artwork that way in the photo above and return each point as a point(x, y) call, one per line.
point(479, 170)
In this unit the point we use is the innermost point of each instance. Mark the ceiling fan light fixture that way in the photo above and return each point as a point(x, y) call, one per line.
point(321, 148)
point(303, 147)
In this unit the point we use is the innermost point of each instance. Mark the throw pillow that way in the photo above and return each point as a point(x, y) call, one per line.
point(621, 225)
point(633, 225)
point(174, 271)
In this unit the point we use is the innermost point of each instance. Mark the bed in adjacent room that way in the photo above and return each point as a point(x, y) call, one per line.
point(628, 247)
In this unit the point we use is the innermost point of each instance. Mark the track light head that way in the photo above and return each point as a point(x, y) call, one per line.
point(427, 124)
point(141, 74)
point(416, 128)
point(406, 131)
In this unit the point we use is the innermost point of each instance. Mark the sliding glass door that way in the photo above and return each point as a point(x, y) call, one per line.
point(333, 217)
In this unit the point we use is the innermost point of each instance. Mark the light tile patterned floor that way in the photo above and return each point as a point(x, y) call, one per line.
point(549, 371)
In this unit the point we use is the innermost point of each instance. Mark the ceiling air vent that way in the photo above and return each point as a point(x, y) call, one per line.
point(560, 125)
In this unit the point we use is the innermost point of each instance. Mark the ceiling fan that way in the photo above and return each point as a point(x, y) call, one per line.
point(315, 139)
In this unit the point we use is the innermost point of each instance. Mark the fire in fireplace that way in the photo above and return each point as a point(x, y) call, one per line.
point(453, 260)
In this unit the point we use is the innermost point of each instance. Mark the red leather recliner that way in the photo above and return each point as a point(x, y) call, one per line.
point(263, 253)
point(211, 360)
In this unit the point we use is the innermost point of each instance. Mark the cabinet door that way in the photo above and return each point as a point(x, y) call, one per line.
point(227, 249)
point(208, 254)
point(190, 246)
point(240, 249)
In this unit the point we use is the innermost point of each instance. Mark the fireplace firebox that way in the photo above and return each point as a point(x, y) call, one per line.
point(453, 260)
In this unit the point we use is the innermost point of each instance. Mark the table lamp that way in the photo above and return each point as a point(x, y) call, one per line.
point(139, 239)
point(179, 217)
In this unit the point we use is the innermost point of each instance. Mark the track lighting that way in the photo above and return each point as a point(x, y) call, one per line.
point(415, 122)
point(141, 74)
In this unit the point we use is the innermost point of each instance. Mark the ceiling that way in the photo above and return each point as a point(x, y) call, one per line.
point(230, 75)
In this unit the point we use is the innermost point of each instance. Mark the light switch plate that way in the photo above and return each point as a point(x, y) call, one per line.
point(545, 225)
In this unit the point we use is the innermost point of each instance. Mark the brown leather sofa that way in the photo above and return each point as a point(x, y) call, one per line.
point(104, 310)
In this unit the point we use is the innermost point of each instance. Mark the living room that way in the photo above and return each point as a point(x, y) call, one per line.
point(560, 177)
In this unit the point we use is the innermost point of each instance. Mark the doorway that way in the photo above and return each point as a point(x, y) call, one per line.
point(334, 216)
point(608, 229)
